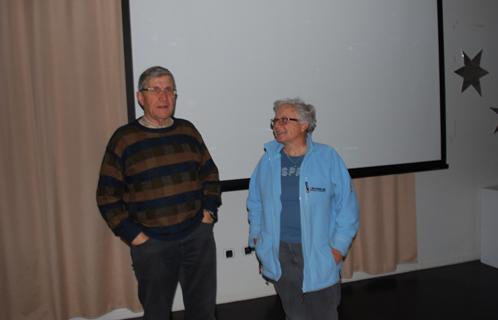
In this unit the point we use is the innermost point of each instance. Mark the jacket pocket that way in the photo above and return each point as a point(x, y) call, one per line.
point(325, 267)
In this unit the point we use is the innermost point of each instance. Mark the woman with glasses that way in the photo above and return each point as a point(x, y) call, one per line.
point(303, 214)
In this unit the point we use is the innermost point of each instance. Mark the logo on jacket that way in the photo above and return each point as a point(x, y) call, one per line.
point(290, 171)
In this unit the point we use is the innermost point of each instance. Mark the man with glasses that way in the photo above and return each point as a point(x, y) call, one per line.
point(159, 191)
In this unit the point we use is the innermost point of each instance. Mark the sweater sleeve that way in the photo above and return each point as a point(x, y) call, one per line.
point(209, 177)
point(110, 192)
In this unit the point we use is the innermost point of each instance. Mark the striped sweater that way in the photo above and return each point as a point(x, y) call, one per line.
point(157, 181)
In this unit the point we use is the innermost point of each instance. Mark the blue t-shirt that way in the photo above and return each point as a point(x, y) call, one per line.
point(290, 219)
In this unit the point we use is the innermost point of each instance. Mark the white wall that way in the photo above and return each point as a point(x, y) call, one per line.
point(448, 222)
point(448, 203)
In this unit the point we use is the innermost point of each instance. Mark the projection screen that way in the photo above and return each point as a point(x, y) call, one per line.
point(374, 70)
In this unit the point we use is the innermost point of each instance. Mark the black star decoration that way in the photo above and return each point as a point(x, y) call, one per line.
point(495, 110)
point(471, 72)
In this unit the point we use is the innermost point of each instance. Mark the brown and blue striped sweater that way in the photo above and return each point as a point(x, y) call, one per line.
point(157, 181)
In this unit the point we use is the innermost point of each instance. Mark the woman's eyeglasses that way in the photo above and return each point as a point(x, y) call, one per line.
point(283, 121)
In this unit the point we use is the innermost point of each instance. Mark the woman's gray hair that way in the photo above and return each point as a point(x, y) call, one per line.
point(154, 72)
point(306, 111)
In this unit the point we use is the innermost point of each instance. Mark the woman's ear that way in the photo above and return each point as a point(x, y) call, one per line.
point(304, 126)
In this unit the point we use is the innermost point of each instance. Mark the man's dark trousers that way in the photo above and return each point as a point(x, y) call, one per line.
point(191, 261)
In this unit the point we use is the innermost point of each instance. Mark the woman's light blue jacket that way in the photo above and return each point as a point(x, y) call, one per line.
point(329, 213)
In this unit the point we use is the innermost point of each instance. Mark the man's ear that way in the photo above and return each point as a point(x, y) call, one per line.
point(140, 98)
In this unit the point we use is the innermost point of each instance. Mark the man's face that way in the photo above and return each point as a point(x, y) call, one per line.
point(158, 106)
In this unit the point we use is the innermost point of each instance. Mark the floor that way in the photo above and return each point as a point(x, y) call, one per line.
point(463, 291)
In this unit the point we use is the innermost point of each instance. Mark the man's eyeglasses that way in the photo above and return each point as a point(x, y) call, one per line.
point(283, 121)
point(156, 90)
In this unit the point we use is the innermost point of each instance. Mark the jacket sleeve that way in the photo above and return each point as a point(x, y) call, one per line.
point(254, 208)
point(110, 193)
point(345, 206)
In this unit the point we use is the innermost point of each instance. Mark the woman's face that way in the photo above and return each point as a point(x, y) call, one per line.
point(291, 132)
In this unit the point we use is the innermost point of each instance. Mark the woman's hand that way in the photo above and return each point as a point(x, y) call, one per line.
point(337, 255)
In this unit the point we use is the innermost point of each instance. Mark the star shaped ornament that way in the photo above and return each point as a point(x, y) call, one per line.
point(471, 72)
point(495, 110)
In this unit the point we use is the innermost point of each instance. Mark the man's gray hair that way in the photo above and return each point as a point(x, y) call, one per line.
point(306, 111)
point(154, 72)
